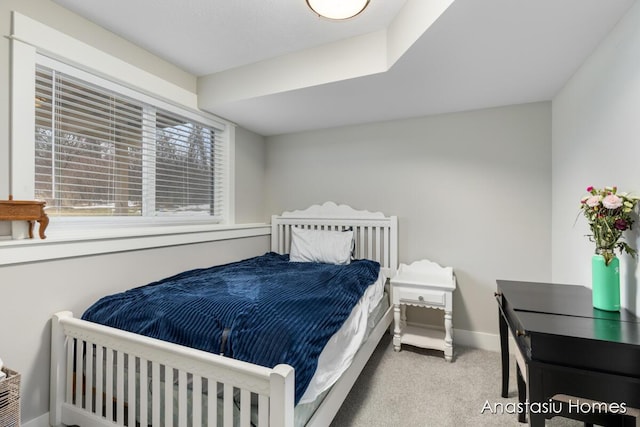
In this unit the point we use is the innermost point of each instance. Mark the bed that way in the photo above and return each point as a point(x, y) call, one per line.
point(148, 381)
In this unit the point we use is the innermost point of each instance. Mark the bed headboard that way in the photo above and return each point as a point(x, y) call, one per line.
point(375, 235)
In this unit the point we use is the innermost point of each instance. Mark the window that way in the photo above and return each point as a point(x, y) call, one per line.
point(120, 132)
point(102, 150)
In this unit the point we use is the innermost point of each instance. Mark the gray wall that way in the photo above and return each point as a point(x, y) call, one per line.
point(596, 141)
point(32, 292)
point(250, 180)
point(472, 190)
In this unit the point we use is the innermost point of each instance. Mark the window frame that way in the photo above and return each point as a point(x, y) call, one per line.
point(30, 42)
point(148, 103)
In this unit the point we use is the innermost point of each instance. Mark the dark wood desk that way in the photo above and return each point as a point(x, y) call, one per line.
point(570, 348)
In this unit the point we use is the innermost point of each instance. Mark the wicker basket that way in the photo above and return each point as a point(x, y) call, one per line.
point(10, 399)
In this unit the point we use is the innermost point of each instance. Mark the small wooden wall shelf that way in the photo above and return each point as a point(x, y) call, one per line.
point(25, 210)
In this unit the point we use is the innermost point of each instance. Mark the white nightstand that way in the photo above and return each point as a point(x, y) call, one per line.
point(423, 284)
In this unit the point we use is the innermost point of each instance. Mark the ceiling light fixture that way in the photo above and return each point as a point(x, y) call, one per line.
point(337, 9)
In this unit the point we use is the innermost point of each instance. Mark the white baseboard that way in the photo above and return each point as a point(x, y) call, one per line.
point(41, 421)
point(481, 340)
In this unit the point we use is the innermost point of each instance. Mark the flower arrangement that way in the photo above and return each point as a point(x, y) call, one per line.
point(609, 214)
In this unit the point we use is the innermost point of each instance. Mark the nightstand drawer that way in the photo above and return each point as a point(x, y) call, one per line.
point(421, 297)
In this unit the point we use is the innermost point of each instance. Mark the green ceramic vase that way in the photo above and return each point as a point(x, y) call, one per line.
point(605, 283)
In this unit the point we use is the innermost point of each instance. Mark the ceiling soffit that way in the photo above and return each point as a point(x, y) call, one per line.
point(351, 58)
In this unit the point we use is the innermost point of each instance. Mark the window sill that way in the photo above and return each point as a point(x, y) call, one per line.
point(119, 240)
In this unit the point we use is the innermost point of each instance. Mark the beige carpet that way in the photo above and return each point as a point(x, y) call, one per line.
point(416, 387)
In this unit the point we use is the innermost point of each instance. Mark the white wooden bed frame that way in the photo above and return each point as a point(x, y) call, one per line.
point(376, 238)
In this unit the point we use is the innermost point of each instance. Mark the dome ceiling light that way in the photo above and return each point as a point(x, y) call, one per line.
point(337, 9)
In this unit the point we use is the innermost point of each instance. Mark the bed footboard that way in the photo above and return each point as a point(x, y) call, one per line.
point(105, 376)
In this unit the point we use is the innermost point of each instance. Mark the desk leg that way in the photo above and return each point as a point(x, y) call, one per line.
point(504, 352)
point(522, 394)
point(534, 383)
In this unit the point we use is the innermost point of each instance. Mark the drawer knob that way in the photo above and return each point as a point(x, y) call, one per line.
point(497, 294)
point(421, 298)
point(520, 333)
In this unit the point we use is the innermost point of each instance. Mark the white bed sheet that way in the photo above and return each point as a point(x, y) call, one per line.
point(338, 354)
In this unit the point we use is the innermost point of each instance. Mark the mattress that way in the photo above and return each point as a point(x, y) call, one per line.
point(263, 310)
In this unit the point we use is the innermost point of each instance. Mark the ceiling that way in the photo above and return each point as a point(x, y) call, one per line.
point(274, 67)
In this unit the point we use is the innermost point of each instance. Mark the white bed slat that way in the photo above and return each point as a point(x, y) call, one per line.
point(282, 229)
point(387, 261)
point(245, 408)
point(182, 398)
point(227, 410)
point(155, 393)
point(78, 381)
point(196, 400)
point(287, 239)
point(132, 402)
point(144, 375)
point(168, 396)
point(69, 361)
point(375, 251)
point(99, 379)
point(119, 388)
point(263, 410)
point(212, 403)
point(89, 401)
point(109, 384)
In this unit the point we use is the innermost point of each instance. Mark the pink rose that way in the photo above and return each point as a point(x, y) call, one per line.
point(612, 202)
point(589, 189)
point(593, 201)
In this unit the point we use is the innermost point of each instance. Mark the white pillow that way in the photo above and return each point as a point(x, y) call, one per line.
point(330, 247)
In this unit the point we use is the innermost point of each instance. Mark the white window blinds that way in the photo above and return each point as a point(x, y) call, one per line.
point(99, 152)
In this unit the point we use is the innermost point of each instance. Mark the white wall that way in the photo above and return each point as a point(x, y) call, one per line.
point(472, 190)
point(596, 141)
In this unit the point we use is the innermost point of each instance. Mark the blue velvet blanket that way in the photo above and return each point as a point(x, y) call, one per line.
point(264, 310)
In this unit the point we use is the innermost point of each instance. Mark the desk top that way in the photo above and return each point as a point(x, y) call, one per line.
point(546, 310)
point(22, 202)
point(558, 299)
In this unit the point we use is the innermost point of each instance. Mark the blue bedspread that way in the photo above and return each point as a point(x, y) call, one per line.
point(270, 310)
